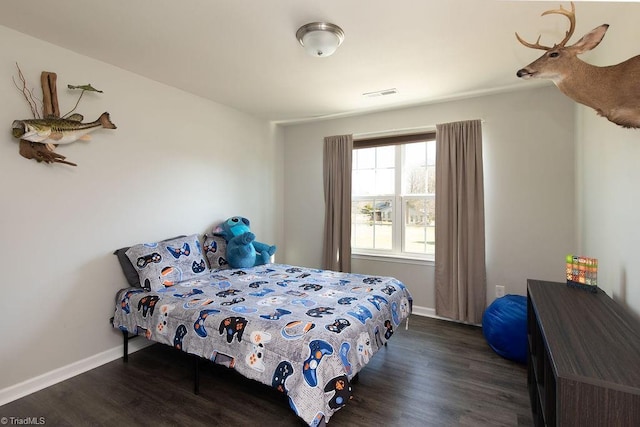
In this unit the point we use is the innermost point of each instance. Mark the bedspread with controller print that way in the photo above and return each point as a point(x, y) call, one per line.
point(305, 332)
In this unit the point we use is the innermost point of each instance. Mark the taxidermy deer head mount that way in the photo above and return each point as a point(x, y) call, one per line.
point(613, 91)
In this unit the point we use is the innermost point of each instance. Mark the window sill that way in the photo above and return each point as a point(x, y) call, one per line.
point(395, 258)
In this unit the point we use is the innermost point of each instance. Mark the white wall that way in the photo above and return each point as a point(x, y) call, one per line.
point(608, 179)
point(529, 186)
point(177, 164)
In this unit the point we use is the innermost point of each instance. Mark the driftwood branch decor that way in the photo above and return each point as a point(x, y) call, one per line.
point(39, 137)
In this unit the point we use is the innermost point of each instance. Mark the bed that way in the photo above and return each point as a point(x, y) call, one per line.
point(306, 332)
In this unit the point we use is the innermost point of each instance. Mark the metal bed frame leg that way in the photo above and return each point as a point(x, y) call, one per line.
point(125, 356)
point(196, 374)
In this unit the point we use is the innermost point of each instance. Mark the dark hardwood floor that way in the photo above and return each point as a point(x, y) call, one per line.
point(437, 373)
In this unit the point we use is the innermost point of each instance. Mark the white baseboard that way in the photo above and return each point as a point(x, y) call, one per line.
point(424, 311)
point(431, 312)
point(14, 392)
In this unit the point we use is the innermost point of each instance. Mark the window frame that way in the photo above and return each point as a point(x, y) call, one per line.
point(398, 198)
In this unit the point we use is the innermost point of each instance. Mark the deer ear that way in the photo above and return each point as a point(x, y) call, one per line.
point(591, 39)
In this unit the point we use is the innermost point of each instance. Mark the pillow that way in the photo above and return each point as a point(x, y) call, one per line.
point(215, 249)
point(163, 264)
point(130, 272)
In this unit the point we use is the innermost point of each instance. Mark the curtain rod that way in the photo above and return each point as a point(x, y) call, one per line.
point(391, 132)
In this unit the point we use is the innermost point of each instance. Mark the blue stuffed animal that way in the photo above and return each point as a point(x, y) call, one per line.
point(242, 249)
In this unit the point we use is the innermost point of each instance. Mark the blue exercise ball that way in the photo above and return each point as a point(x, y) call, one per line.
point(504, 325)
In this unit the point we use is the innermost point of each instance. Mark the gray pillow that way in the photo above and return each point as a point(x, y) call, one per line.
point(215, 249)
point(162, 265)
point(130, 272)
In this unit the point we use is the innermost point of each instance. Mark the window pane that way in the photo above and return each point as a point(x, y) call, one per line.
point(431, 180)
point(365, 158)
point(414, 174)
point(372, 224)
point(415, 181)
point(385, 157)
point(363, 182)
point(385, 181)
point(383, 220)
point(419, 222)
point(415, 154)
point(362, 224)
point(431, 153)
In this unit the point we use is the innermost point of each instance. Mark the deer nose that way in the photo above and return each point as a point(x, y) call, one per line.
point(523, 73)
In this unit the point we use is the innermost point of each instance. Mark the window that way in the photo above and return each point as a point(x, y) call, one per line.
point(393, 196)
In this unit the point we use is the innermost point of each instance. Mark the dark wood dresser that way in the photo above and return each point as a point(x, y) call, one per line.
point(584, 358)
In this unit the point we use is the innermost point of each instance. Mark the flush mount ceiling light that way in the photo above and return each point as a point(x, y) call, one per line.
point(320, 39)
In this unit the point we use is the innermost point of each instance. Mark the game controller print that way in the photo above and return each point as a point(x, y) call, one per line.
point(283, 371)
point(181, 332)
point(344, 357)
point(376, 336)
point(389, 329)
point(145, 260)
point(263, 292)
point(276, 315)
point(304, 301)
point(243, 309)
point(228, 292)
point(198, 267)
point(364, 348)
point(338, 325)
point(148, 303)
point(320, 311)
point(233, 327)
point(273, 300)
point(185, 250)
point(192, 292)
point(257, 284)
point(371, 280)
point(211, 247)
point(361, 313)
point(233, 301)
point(310, 287)
point(377, 301)
point(255, 359)
point(295, 293)
point(388, 289)
point(342, 391)
point(127, 297)
point(198, 326)
point(347, 300)
point(394, 313)
point(165, 309)
point(317, 350)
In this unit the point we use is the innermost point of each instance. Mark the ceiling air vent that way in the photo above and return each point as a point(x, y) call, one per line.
point(384, 92)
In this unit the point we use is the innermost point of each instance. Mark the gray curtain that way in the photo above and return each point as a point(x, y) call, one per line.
point(460, 241)
point(336, 254)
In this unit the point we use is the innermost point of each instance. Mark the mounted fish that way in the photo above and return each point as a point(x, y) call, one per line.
point(40, 136)
point(54, 130)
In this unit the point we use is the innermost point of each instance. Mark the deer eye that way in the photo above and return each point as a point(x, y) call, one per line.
point(554, 55)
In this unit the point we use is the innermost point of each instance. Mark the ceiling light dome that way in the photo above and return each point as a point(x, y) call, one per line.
point(320, 39)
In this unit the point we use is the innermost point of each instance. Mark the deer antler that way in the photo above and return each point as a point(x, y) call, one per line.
point(571, 15)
